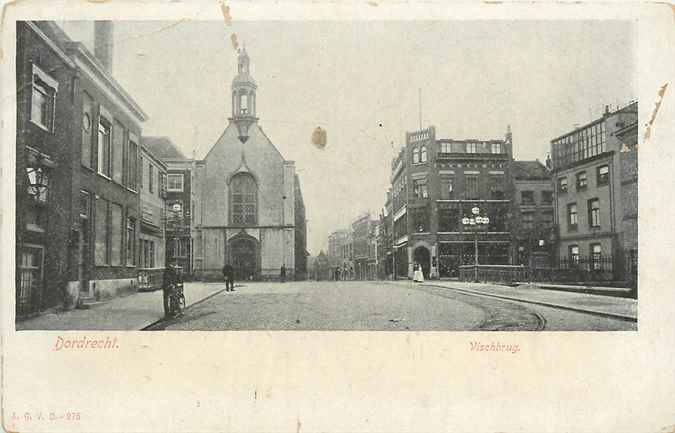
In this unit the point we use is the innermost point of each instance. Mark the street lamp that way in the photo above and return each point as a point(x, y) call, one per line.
point(475, 223)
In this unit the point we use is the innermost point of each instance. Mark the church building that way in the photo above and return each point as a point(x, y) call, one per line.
point(246, 197)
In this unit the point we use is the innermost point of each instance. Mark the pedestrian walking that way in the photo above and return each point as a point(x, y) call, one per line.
point(282, 273)
point(337, 273)
point(228, 275)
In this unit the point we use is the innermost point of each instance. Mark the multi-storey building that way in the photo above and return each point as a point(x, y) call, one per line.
point(590, 198)
point(361, 228)
point(179, 200)
point(533, 213)
point(628, 136)
point(384, 241)
point(77, 148)
point(435, 183)
point(340, 252)
point(152, 239)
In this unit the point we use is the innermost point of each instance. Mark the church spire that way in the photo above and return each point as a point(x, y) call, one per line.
point(243, 96)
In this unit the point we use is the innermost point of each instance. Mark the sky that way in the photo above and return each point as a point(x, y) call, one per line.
point(361, 81)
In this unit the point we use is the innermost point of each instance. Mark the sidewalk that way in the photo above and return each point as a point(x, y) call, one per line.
point(128, 313)
point(623, 308)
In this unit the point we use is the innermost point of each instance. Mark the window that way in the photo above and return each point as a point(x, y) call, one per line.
point(471, 188)
point(497, 187)
point(151, 176)
point(594, 213)
point(30, 275)
point(131, 241)
point(496, 148)
point(596, 257)
point(546, 197)
point(175, 182)
point(117, 151)
point(85, 204)
point(423, 154)
point(572, 216)
point(547, 218)
point(574, 255)
point(448, 219)
point(132, 164)
point(562, 185)
point(101, 230)
point(420, 189)
point(470, 147)
point(104, 147)
point(87, 137)
point(582, 180)
point(243, 200)
point(447, 187)
point(603, 175)
point(42, 99)
point(446, 147)
point(527, 197)
point(528, 221)
point(162, 185)
point(116, 234)
point(416, 155)
point(420, 217)
point(140, 172)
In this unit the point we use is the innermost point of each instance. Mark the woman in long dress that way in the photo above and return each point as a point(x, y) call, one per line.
point(418, 276)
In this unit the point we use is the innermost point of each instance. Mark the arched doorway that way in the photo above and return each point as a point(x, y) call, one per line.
point(423, 257)
point(244, 255)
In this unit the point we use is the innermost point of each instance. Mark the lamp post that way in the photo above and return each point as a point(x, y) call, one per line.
point(475, 223)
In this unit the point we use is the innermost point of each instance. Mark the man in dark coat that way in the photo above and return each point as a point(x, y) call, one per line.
point(228, 275)
point(283, 273)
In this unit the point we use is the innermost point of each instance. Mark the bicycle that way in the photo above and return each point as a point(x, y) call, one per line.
point(176, 301)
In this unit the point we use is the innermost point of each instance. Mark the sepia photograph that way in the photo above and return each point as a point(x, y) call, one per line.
point(319, 216)
point(180, 176)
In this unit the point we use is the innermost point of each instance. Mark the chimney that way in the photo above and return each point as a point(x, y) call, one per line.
point(103, 44)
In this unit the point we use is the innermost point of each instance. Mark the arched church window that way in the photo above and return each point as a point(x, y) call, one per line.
point(416, 155)
point(423, 154)
point(243, 200)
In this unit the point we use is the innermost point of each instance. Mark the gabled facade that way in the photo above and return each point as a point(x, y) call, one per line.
point(247, 196)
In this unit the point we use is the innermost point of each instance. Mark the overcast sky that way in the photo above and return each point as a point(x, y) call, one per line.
point(360, 81)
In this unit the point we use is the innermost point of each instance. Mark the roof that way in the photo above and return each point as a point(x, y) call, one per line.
point(529, 170)
point(163, 148)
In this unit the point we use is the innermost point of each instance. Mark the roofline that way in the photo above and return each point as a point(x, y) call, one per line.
point(78, 50)
point(46, 39)
point(154, 158)
point(600, 119)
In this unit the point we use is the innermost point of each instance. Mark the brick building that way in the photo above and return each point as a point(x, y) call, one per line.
point(533, 213)
point(77, 148)
point(591, 199)
point(436, 182)
point(361, 235)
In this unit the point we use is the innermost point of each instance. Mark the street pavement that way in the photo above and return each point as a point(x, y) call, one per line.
point(402, 306)
point(127, 313)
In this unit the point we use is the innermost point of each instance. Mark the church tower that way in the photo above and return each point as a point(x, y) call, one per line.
point(243, 97)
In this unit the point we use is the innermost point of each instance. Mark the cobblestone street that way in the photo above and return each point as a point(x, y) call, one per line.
point(377, 305)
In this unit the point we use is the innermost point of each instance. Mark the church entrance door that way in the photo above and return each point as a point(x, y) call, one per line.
point(244, 259)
